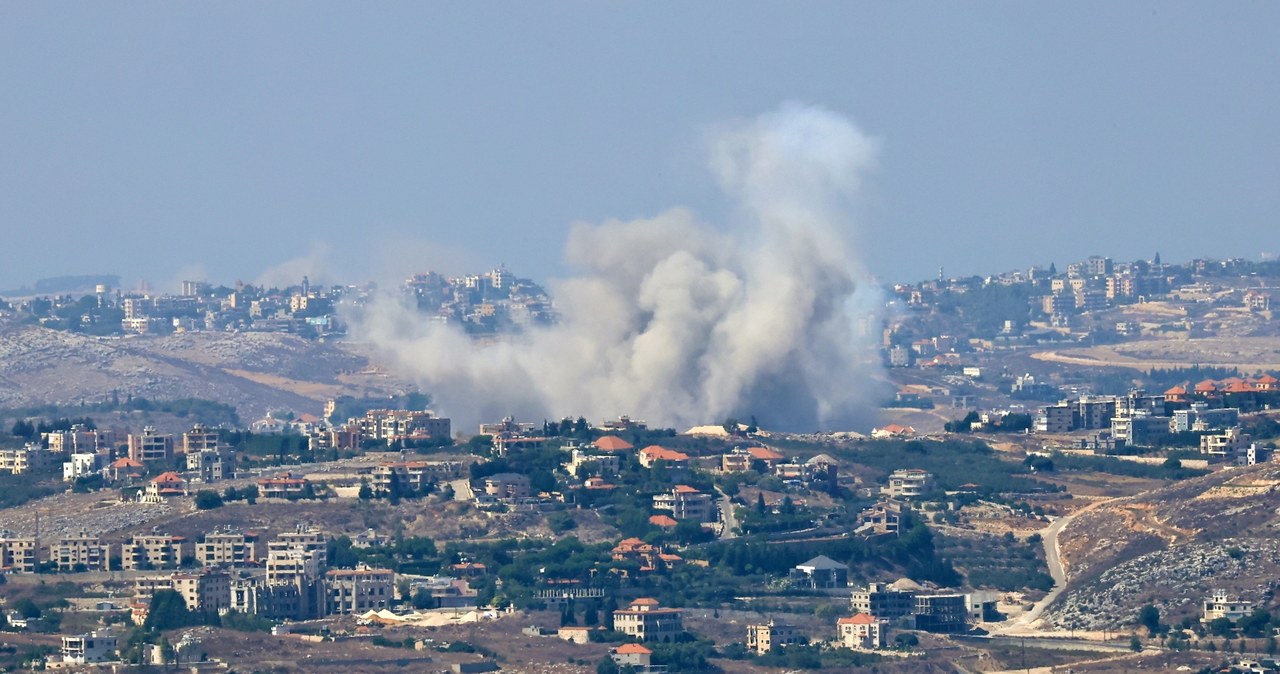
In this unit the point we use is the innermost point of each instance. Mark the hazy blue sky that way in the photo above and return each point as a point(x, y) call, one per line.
point(219, 139)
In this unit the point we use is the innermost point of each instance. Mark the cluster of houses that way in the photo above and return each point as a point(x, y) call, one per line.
point(1210, 408)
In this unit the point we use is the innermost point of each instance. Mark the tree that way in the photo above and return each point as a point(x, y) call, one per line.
point(169, 611)
point(1135, 644)
point(366, 492)
point(1149, 617)
point(760, 505)
point(207, 499)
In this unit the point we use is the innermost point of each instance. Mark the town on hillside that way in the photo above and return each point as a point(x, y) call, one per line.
point(1069, 471)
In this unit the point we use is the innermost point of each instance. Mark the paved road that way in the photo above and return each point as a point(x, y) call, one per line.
point(726, 513)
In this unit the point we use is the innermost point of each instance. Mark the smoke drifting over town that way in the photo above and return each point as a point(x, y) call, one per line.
point(677, 322)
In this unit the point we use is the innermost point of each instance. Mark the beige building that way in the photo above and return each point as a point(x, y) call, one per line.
point(765, 637)
point(157, 551)
point(208, 590)
point(227, 549)
point(686, 503)
point(354, 591)
point(150, 446)
point(908, 483)
point(862, 632)
point(17, 555)
point(82, 552)
point(646, 621)
point(29, 458)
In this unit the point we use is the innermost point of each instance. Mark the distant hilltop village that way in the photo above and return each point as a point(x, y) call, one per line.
point(1095, 301)
point(493, 303)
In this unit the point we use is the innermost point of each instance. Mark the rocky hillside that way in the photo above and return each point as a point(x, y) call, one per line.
point(1171, 547)
point(255, 372)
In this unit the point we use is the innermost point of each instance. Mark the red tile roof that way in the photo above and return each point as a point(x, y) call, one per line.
point(662, 521)
point(764, 454)
point(632, 649)
point(859, 619)
point(613, 443)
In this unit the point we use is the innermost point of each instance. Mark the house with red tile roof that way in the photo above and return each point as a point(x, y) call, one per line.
point(635, 655)
point(862, 632)
point(612, 443)
point(655, 453)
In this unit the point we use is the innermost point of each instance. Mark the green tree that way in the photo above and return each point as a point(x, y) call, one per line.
point(1135, 644)
point(169, 611)
point(207, 499)
point(1149, 617)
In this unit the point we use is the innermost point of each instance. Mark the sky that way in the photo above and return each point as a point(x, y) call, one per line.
point(251, 141)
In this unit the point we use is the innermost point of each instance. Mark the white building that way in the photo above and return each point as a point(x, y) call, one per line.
point(97, 646)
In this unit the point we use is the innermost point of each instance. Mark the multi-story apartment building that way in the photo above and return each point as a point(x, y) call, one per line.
point(1226, 443)
point(27, 459)
point(883, 601)
point(908, 483)
point(212, 464)
point(150, 446)
point(302, 538)
point(393, 425)
point(686, 503)
point(353, 591)
point(227, 549)
point(81, 553)
point(156, 551)
point(646, 621)
point(208, 590)
point(199, 439)
point(17, 555)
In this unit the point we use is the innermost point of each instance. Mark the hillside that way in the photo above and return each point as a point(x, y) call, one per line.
point(255, 372)
point(1171, 546)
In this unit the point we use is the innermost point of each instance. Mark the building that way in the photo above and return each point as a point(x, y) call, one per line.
point(82, 464)
point(942, 612)
point(908, 483)
point(200, 439)
point(80, 553)
point(821, 573)
point(863, 632)
point(395, 425)
point(507, 486)
point(301, 538)
point(165, 485)
point(1222, 605)
point(295, 588)
point(686, 503)
point(30, 458)
point(208, 590)
point(884, 517)
point(884, 601)
point(157, 551)
point(1253, 455)
point(354, 591)
point(762, 638)
point(227, 549)
point(283, 486)
point(645, 621)
point(633, 655)
point(150, 446)
point(17, 555)
point(654, 453)
point(1226, 443)
point(96, 646)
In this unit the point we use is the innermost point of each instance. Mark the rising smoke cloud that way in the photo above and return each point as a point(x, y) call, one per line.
point(673, 321)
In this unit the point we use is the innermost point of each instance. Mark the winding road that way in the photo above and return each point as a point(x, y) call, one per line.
point(1053, 558)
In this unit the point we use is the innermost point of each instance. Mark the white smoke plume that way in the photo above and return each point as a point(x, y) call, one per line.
point(679, 323)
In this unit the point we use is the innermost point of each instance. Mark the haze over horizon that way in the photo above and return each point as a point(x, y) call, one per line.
point(238, 140)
